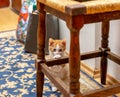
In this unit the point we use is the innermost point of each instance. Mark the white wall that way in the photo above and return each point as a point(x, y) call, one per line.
point(114, 43)
point(90, 38)
point(86, 35)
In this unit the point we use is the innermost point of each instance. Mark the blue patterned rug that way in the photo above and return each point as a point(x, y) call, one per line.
point(18, 75)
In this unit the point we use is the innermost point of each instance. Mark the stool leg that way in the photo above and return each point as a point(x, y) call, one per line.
point(74, 63)
point(104, 45)
point(74, 24)
point(39, 82)
point(40, 50)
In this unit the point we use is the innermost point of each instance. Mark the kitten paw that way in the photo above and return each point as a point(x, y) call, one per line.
point(54, 89)
point(57, 56)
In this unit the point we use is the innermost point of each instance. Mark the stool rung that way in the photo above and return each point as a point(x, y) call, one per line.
point(107, 91)
point(51, 62)
point(63, 60)
point(92, 54)
point(56, 80)
point(113, 57)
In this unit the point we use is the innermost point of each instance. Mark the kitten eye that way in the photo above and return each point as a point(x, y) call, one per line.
point(60, 50)
point(54, 50)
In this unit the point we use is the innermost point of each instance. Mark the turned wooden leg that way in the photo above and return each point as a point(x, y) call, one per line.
point(74, 24)
point(40, 51)
point(74, 63)
point(39, 83)
point(104, 48)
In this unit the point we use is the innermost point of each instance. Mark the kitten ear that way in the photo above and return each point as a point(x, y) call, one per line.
point(51, 41)
point(64, 42)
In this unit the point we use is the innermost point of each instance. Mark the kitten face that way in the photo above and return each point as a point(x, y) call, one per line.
point(57, 48)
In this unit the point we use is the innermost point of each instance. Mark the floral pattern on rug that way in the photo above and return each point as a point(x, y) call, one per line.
point(17, 71)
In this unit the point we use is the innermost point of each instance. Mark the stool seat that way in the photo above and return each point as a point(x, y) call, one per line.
point(73, 7)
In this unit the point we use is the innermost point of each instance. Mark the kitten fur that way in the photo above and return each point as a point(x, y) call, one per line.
point(57, 50)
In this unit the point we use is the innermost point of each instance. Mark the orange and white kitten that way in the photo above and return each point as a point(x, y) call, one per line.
point(57, 50)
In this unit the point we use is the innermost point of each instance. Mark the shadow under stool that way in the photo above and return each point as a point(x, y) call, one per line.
point(76, 14)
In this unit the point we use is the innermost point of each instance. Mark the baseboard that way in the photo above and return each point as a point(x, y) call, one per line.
point(95, 73)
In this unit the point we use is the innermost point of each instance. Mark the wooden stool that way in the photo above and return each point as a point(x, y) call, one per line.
point(76, 14)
